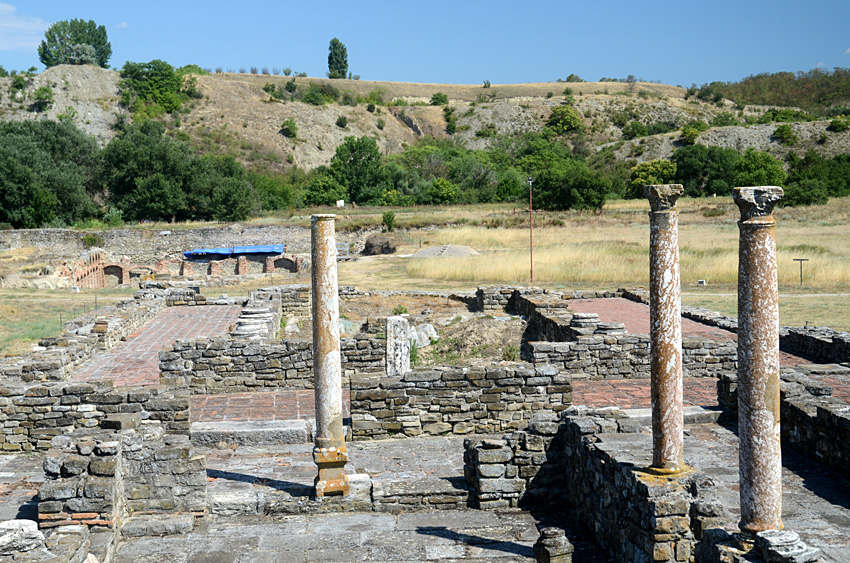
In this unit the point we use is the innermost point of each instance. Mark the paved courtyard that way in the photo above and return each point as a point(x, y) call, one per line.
point(136, 361)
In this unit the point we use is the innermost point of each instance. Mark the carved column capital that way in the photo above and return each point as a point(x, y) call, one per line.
point(757, 201)
point(663, 197)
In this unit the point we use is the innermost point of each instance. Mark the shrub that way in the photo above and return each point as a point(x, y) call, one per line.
point(399, 310)
point(113, 217)
point(564, 119)
point(839, 124)
point(380, 124)
point(724, 119)
point(635, 129)
point(253, 70)
point(92, 239)
point(341, 121)
point(785, 135)
point(290, 86)
point(451, 120)
point(439, 99)
point(287, 71)
point(486, 83)
point(288, 129)
point(805, 192)
point(370, 108)
point(18, 83)
point(691, 131)
point(42, 98)
point(265, 70)
point(388, 220)
point(649, 173)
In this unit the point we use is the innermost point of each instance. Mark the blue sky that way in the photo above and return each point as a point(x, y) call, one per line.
point(461, 42)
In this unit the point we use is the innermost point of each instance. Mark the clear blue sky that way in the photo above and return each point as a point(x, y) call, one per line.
point(462, 42)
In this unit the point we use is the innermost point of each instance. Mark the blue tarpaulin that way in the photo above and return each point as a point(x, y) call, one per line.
point(236, 250)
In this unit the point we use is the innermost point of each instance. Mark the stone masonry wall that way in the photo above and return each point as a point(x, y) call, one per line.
point(625, 356)
point(225, 365)
point(813, 422)
point(633, 515)
point(454, 400)
point(32, 415)
point(100, 478)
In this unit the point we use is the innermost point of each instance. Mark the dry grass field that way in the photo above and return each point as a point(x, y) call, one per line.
point(572, 250)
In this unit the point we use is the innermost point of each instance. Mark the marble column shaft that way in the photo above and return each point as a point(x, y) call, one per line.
point(665, 313)
point(329, 453)
point(759, 451)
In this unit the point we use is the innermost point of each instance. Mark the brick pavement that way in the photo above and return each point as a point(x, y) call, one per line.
point(634, 393)
point(270, 405)
point(136, 361)
point(636, 318)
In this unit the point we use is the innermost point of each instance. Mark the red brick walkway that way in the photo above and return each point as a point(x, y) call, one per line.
point(634, 393)
point(266, 405)
point(136, 361)
point(636, 318)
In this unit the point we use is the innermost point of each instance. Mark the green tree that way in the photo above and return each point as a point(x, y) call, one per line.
point(151, 88)
point(756, 168)
point(324, 190)
point(569, 185)
point(805, 192)
point(785, 135)
point(648, 173)
point(24, 203)
point(63, 40)
point(356, 166)
point(337, 59)
point(439, 99)
point(564, 119)
point(704, 171)
point(691, 131)
point(42, 98)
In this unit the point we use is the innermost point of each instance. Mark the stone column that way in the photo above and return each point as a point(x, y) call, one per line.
point(665, 314)
point(759, 450)
point(398, 346)
point(329, 453)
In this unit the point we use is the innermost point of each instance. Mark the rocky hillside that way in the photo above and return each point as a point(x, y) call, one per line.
point(236, 116)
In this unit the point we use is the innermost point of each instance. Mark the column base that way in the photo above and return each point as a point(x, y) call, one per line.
point(331, 479)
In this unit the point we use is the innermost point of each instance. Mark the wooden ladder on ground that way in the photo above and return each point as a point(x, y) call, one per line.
point(443, 250)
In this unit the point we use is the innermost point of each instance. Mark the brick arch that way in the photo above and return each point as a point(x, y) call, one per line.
point(114, 274)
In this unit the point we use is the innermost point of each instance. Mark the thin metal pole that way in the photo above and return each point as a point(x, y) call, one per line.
point(531, 229)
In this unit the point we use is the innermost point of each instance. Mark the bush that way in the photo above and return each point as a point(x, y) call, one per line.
point(380, 124)
point(288, 129)
point(451, 120)
point(399, 310)
point(290, 86)
point(287, 71)
point(724, 119)
point(439, 99)
point(486, 83)
point(91, 240)
point(388, 220)
point(756, 168)
point(635, 129)
point(42, 98)
point(564, 119)
point(839, 124)
point(785, 135)
point(341, 121)
point(650, 173)
point(18, 83)
point(113, 217)
point(691, 131)
point(370, 108)
point(805, 192)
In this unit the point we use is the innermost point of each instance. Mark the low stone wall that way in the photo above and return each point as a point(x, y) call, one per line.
point(626, 356)
point(32, 415)
point(813, 422)
point(102, 478)
point(633, 515)
point(225, 365)
point(821, 344)
point(454, 400)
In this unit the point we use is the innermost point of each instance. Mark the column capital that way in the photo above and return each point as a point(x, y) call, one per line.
point(757, 201)
point(663, 197)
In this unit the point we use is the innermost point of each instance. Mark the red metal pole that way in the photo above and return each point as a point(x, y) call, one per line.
point(531, 230)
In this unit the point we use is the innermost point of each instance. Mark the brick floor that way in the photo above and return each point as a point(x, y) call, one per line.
point(634, 393)
point(136, 361)
point(269, 405)
point(636, 318)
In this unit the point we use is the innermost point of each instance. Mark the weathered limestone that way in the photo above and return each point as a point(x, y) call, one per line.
point(398, 346)
point(760, 456)
point(329, 453)
point(553, 547)
point(665, 312)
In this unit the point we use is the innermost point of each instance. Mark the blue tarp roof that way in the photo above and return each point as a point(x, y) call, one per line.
point(235, 250)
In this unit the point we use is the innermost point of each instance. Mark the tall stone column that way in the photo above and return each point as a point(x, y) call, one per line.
point(665, 314)
point(759, 450)
point(329, 452)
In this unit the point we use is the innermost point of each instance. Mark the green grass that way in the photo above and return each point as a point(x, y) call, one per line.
point(32, 314)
